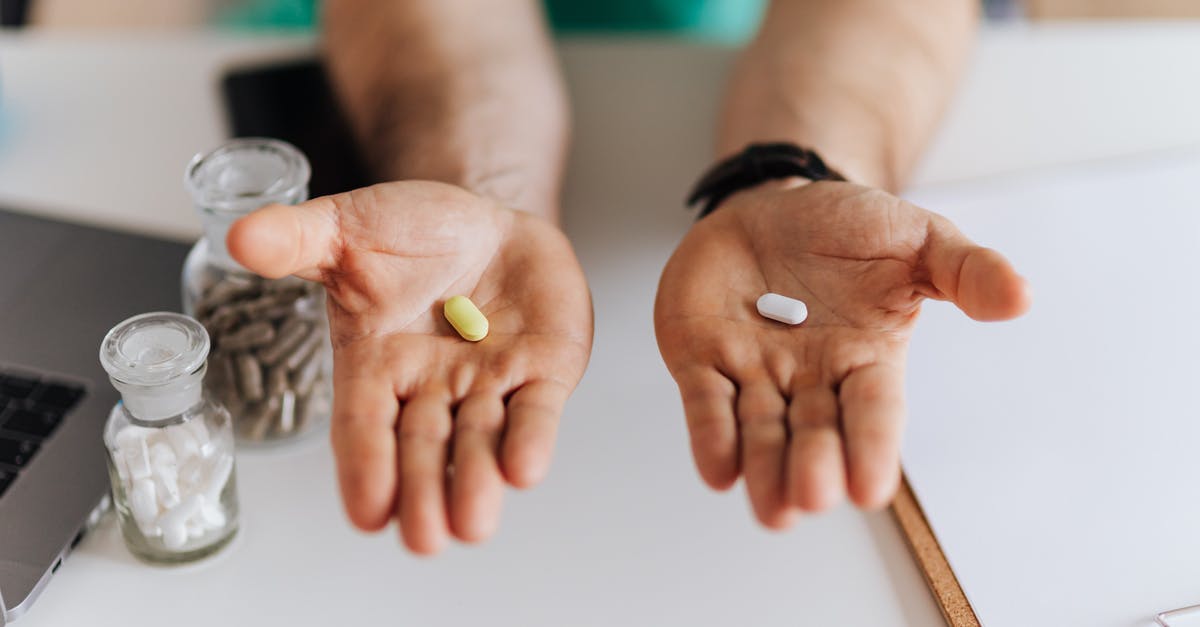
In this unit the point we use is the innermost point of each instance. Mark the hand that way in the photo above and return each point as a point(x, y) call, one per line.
point(427, 427)
point(806, 413)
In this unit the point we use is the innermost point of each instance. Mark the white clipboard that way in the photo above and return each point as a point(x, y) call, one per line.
point(1056, 458)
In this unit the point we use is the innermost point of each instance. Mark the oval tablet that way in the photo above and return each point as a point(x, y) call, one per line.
point(466, 318)
point(781, 308)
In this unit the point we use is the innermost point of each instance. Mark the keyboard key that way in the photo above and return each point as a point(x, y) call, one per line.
point(16, 387)
point(16, 452)
point(59, 396)
point(5, 479)
point(31, 421)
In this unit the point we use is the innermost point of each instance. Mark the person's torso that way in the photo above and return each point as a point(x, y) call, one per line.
point(728, 20)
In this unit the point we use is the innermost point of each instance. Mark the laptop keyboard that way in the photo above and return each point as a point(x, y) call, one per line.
point(31, 408)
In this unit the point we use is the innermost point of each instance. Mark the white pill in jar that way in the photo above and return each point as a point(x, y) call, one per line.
point(781, 308)
point(214, 482)
point(212, 515)
point(142, 502)
point(174, 521)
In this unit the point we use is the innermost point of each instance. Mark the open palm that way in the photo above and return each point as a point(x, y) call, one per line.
point(428, 427)
point(810, 412)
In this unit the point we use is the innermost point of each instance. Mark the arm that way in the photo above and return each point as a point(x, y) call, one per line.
point(864, 82)
point(459, 107)
point(464, 92)
point(811, 413)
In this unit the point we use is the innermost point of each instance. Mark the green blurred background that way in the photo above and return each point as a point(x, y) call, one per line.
point(724, 20)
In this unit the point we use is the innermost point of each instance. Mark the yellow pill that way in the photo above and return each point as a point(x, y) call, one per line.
point(466, 318)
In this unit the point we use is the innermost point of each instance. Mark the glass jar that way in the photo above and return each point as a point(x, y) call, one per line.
point(170, 446)
point(271, 361)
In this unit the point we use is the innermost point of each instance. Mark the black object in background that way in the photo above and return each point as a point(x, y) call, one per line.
point(294, 102)
point(13, 12)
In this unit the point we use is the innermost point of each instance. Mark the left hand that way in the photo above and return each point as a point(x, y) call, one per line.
point(807, 413)
point(428, 427)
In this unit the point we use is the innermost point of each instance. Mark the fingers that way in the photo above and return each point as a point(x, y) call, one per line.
point(979, 280)
point(477, 486)
point(280, 240)
point(708, 404)
point(533, 414)
point(872, 402)
point(364, 443)
point(816, 469)
point(761, 409)
point(484, 455)
point(423, 437)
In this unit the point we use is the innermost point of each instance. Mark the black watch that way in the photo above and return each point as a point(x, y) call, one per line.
point(756, 164)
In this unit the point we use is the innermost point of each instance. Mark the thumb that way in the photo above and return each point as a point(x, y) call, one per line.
point(979, 280)
point(280, 240)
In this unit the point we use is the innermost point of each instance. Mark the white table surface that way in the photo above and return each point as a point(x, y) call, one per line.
point(97, 129)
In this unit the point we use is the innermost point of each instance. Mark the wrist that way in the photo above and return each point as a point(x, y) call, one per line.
point(836, 119)
point(741, 198)
point(514, 158)
point(478, 161)
point(779, 164)
point(776, 185)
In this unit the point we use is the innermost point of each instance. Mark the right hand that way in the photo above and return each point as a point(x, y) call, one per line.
point(810, 413)
point(428, 427)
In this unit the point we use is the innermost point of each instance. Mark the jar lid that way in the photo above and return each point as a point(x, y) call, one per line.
point(154, 348)
point(244, 174)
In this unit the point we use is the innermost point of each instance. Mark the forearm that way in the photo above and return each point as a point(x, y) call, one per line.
point(464, 92)
point(863, 82)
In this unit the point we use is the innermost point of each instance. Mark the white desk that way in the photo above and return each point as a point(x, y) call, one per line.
point(98, 129)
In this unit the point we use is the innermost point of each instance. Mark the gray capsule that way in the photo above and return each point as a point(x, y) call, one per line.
point(311, 408)
point(221, 320)
point(296, 295)
point(249, 377)
point(303, 379)
point(258, 418)
point(277, 380)
point(222, 379)
point(305, 350)
point(287, 412)
point(291, 333)
point(254, 307)
point(279, 312)
point(235, 406)
point(215, 379)
point(252, 335)
point(288, 284)
point(301, 410)
point(230, 289)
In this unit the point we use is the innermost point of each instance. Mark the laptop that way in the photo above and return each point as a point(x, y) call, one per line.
point(62, 286)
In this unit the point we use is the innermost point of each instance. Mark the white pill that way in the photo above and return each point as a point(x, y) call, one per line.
point(175, 535)
point(174, 522)
point(130, 434)
point(218, 474)
point(198, 430)
point(167, 487)
point(138, 463)
point(137, 457)
point(191, 474)
point(200, 433)
point(182, 512)
point(151, 531)
point(142, 503)
point(182, 441)
point(781, 308)
point(195, 528)
point(162, 456)
point(122, 467)
point(213, 515)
